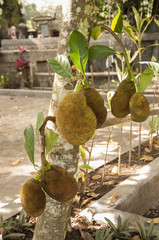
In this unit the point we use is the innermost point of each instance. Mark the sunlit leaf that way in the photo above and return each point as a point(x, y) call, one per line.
point(138, 19)
point(95, 33)
point(16, 162)
point(82, 151)
point(78, 50)
point(50, 139)
point(109, 97)
point(153, 65)
point(82, 176)
point(86, 166)
point(39, 122)
point(113, 198)
point(61, 66)
point(29, 142)
point(100, 51)
point(96, 177)
point(130, 33)
point(114, 171)
point(156, 220)
point(117, 23)
point(146, 158)
point(146, 79)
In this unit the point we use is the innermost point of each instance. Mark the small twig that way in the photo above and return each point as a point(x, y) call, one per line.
point(91, 68)
point(106, 153)
point(120, 148)
point(130, 141)
point(139, 147)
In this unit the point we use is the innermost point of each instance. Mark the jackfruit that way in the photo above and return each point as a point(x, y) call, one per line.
point(96, 103)
point(59, 184)
point(121, 98)
point(139, 107)
point(75, 119)
point(33, 198)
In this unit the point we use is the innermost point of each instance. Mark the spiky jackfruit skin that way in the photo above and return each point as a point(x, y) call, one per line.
point(33, 198)
point(139, 107)
point(128, 87)
point(121, 98)
point(96, 103)
point(59, 184)
point(75, 119)
point(120, 104)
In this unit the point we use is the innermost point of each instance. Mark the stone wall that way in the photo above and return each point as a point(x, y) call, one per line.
point(39, 50)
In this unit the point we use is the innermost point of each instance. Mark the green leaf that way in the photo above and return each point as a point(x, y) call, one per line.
point(111, 224)
point(14, 235)
point(130, 33)
point(100, 51)
point(29, 142)
point(61, 66)
point(78, 50)
point(153, 65)
point(82, 151)
point(96, 32)
point(145, 79)
point(117, 23)
point(138, 19)
point(86, 166)
point(78, 87)
point(39, 122)
point(50, 139)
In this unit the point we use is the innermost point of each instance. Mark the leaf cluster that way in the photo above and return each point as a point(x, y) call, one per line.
point(122, 231)
point(15, 227)
point(50, 138)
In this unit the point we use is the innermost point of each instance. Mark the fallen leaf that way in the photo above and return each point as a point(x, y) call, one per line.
point(86, 201)
point(92, 184)
point(114, 171)
point(22, 114)
point(5, 134)
point(96, 177)
point(156, 146)
point(93, 194)
point(146, 158)
point(147, 150)
point(77, 198)
point(156, 220)
point(33, 173)
point(80, 222)
point(155, 141)
point(136, 237)
point(113, 198)
point(16, 162)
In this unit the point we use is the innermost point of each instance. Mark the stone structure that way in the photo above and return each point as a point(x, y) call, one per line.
point(39, 50)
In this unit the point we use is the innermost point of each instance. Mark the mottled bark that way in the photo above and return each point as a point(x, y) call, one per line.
point(53, 223)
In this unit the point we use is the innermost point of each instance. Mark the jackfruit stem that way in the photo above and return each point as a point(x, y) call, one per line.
point(42, 136)
point(124, 53)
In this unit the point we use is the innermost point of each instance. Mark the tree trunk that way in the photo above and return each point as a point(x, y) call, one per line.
point(53, 223)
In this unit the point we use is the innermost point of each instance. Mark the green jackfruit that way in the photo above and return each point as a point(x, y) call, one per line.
point(96, 103)
point(33, 198)
point(59, 184)
point(75, 119)
point(139, 107)
point(121, 98)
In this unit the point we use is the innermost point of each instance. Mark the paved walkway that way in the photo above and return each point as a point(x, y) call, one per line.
point(16, 113)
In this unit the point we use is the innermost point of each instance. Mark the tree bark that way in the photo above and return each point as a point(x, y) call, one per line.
point(53, 223)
